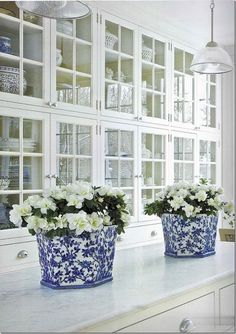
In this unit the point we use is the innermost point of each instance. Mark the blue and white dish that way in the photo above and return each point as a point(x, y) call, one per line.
point(5, 45)
point(77, 261)
point(189, 238)
point(10, 80)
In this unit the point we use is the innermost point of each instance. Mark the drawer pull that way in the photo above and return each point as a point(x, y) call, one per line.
point(186, 326)
point(153, 233)
point(22, 254)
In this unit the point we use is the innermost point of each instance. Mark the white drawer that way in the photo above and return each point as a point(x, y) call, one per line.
point(227, 305)
point(199, 311)
point(18, 255)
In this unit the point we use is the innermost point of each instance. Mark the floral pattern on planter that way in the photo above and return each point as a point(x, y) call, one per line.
point(189, 238)
point(79, 261)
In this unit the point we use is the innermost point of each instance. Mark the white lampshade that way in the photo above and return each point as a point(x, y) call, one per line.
point(212, 60)
point(55, 9)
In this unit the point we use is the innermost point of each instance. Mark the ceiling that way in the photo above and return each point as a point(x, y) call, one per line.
point(178, 17)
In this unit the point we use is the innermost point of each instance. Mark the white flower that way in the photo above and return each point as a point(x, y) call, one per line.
point(107, 220)
point(45, 204)
point(60, 221)
point(228, 207)
point(201, 195)
point(182, 193)
point(74, 200)
point(106, 190)
point(95, 221)
point(125, 217)
point(19, 211)
point(189, 209)
point(78, 222)
point(36, 223)
point(33, 200)
point(177, 202)
point(57, 193)
point(84, 190)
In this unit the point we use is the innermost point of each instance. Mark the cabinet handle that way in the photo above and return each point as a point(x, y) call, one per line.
point(49, 176)
point(52, 104)
point(153, 233)
point(186, 326)
point(22, 254)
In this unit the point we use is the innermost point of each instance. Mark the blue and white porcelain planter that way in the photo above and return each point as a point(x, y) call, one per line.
point(82, 261)
point(189, 238)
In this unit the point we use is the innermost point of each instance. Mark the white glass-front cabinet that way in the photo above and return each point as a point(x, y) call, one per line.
point(103, 100)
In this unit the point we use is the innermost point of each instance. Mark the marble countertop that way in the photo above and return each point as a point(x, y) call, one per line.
point(141, 276)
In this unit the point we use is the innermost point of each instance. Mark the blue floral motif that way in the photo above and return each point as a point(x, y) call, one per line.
point(189, 238)
point(77, 261)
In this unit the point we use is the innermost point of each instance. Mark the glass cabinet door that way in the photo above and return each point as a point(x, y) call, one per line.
point(119, 67)
point(153, 55)
point(22, 160)
point(207, 100)
point(119, 161)
point(153, 166)
point(183, 159)
point(74, 152)
point(73, 58)
point(207, 160)
point(183, 89)
point(22, 54)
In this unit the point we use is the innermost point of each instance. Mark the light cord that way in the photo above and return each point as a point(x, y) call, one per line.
point(212, 6)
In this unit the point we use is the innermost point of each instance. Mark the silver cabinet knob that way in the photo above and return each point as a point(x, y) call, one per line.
point(153, 233)
point(186, 326)
point(22, 254)
point(52, 104)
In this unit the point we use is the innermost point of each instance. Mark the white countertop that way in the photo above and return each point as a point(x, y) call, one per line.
point(141, 276)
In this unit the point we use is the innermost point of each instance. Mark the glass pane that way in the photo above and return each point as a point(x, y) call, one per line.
point(126, 99)
point(147, 103)
point(83, 91)
point(64, 138)
point(147, 196)
point(147, 148)
point(33, 80)
point(202, 87)
point(213, 174)
point(9, 34)
point(83, 170)
point(178, 111)
point(159, 106)
point(9, 134)
point(179, 60)
point(188, 149)
point(9, 76)
point(126, 173)
point(188, 112)
point(33, 44)
point(83, 140)
point(65, 27)
point(204, 171)
point(83, 58)
point(111, 142)
point(178, 172)
point(147, 48)
point(9, 8)
point(212, 122)
point(188, 61)
point(64, 170)
point(159, 147)
point(204, 151)
point(9, 172)
point(111, 66)
point(126, 41)
point(159, 56)
point(83, 28)
point(111, 98)
point(148, 177)
point(129, 200)
point(188, 172)
point(159, 173)
point(178, 149)
point(32, 18)
point(188, 88)
point(6, 202)
point(111, 36)
point(66, 46)
point(126, 144)
point(147, 76)
point(32, 135)
point(64, 87)
point(212, 78)
point(126, 74)
point(111, 173)
point(212, 95)
point(203, 113)
point(32, 173)
point(178, 86)
point(159, 78)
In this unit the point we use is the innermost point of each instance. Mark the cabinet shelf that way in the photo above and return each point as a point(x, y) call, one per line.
point(32, 26)
point(145, 62)
point(114, 52)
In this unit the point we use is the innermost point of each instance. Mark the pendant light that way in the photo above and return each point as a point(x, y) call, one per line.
point(212, 59)
point(55, 9)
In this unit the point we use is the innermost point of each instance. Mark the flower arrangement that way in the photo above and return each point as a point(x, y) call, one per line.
point(73, 208)
point(189, 200)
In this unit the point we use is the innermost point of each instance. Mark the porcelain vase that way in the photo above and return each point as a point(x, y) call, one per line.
point(82, 261)
point(189, 238)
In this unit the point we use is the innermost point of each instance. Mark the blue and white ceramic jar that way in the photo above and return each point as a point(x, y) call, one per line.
point(5, 44)
point(189, 238)
point(10, 80)
point(81, 261)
